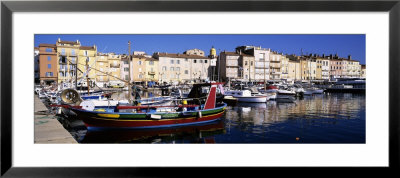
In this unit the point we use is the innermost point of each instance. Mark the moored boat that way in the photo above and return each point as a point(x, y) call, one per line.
point(247, 96)
point(313, 90)
point(152, 116)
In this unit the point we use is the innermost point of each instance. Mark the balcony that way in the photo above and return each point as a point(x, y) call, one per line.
point(151, 73)
point(275, 67)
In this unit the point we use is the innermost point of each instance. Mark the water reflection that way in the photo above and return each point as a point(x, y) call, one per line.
point(327, 118)
point(203, 133)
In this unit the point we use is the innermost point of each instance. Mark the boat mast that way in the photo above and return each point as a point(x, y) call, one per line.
point(87, 75)
point(76, 74)
point(129, 76)
point(265, 82)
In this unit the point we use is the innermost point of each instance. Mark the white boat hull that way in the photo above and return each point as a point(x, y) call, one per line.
point(286, 92)
point(253, 99)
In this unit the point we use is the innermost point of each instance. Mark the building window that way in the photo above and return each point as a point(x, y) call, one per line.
point(140, 62)
point(164, 68)
point(195, 61)
point(178, 61)
point(73, 60)
point(49, 66)
point(205, 61)
point(125, 62)
point(245, 63)
point(48, 58)
point(172, 61)
point(151, 62)
point(186, 72)
point(49, 50)
point(172, 76)
point(73, 52)
point(172, 69)
point(262, 56)
point(186, 59)
point(177, 69)
point(201, 61)
point(63, 51)
point(85, 53)
point(251, 63)
point(126, 69)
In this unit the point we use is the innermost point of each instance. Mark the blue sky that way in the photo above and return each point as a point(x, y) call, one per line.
point(343, 45)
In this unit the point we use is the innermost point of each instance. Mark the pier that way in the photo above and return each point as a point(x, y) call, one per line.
point(47, 128)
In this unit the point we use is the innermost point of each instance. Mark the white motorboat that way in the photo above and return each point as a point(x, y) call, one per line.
point(270, 96)
point(269, 89)
point(247, 96)
point(286, 92)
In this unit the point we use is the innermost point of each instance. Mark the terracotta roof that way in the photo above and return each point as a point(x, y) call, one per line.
point(87, 47)
point(47, 45)
point(181, 56)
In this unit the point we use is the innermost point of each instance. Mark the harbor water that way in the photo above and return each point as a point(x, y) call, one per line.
point(324, 118)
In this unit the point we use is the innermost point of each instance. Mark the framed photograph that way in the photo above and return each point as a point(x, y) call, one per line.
point(294, 73)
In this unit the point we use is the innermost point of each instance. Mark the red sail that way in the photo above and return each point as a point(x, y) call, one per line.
point(210, 102)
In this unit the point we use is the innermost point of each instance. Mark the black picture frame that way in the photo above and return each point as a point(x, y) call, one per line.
point(8, 7)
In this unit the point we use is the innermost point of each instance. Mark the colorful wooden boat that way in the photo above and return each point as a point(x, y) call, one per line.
point(153, 116)
point(204, 131)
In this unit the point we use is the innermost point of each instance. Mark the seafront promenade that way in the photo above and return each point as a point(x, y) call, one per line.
point(47, 128)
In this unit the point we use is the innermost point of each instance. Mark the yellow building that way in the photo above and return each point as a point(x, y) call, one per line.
point(275, 66)
point(67, 52)
point(151, 69)
point(294, 72)
point(102, 69)
point(87, 55)
point(353, 68)
point(285, 68)
point(318, 72)
point(138, 69)
point(308, 67)
point(114, 70)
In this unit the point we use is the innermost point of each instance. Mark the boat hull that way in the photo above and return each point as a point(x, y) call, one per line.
point(94, 119)
point(253, 99)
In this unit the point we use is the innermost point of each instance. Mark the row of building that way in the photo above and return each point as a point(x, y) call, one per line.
point(252, 63)
point(69, 61)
